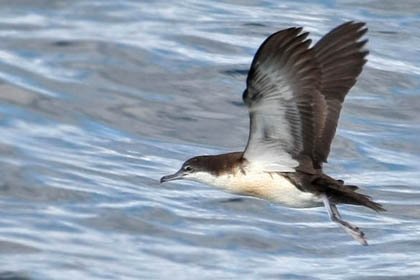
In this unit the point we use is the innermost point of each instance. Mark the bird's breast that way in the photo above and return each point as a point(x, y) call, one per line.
point(272, 186)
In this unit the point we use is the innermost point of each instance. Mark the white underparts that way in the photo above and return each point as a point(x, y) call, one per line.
point(271, 186)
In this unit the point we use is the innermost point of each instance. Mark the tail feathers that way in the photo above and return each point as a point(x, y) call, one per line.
point(365, 200)
point(347, 194)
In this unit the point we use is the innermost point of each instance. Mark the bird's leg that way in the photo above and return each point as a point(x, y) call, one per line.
point(335, 216)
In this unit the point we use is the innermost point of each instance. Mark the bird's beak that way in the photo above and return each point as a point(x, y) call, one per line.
point(177, 176)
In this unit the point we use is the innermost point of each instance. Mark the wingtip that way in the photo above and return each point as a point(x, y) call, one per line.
point(298, 29)
point(358, 24)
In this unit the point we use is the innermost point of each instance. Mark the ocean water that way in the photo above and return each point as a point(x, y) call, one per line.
point(99, 99)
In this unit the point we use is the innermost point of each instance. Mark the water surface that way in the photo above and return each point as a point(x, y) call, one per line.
point(99, 99)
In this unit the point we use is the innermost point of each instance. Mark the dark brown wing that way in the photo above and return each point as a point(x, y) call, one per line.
point(282, 97)
point(294, 95)
point(341, 57)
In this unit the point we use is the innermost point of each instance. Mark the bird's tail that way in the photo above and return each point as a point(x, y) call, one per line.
point(347, 194)
point(364, 200)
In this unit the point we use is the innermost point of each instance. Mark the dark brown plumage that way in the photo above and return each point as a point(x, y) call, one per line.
point(340, 57)
point(320, 76)
point(336, 190)
point(216, 164)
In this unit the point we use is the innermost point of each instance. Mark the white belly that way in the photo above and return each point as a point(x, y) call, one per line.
point(271, 186)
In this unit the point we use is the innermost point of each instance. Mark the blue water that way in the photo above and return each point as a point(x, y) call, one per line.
point(99, 99)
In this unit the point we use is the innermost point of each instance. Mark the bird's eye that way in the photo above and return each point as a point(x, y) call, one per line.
point(188, 168)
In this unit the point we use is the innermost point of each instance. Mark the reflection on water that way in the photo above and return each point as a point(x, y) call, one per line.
point(100, 99)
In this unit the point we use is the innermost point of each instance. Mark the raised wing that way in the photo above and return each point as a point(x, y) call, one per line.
point(282, 96)
point(341, 57)
point(294, 96)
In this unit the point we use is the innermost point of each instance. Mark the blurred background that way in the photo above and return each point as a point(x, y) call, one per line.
point(99, 99)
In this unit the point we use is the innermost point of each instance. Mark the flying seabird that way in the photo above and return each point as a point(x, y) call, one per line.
point(294, 95)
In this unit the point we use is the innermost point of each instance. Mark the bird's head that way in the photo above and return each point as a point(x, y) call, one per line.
point(188, 171)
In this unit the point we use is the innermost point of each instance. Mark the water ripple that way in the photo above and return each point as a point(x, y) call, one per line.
point(99, 99)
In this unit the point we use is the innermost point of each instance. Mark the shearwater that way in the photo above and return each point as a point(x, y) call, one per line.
point(294, 95)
